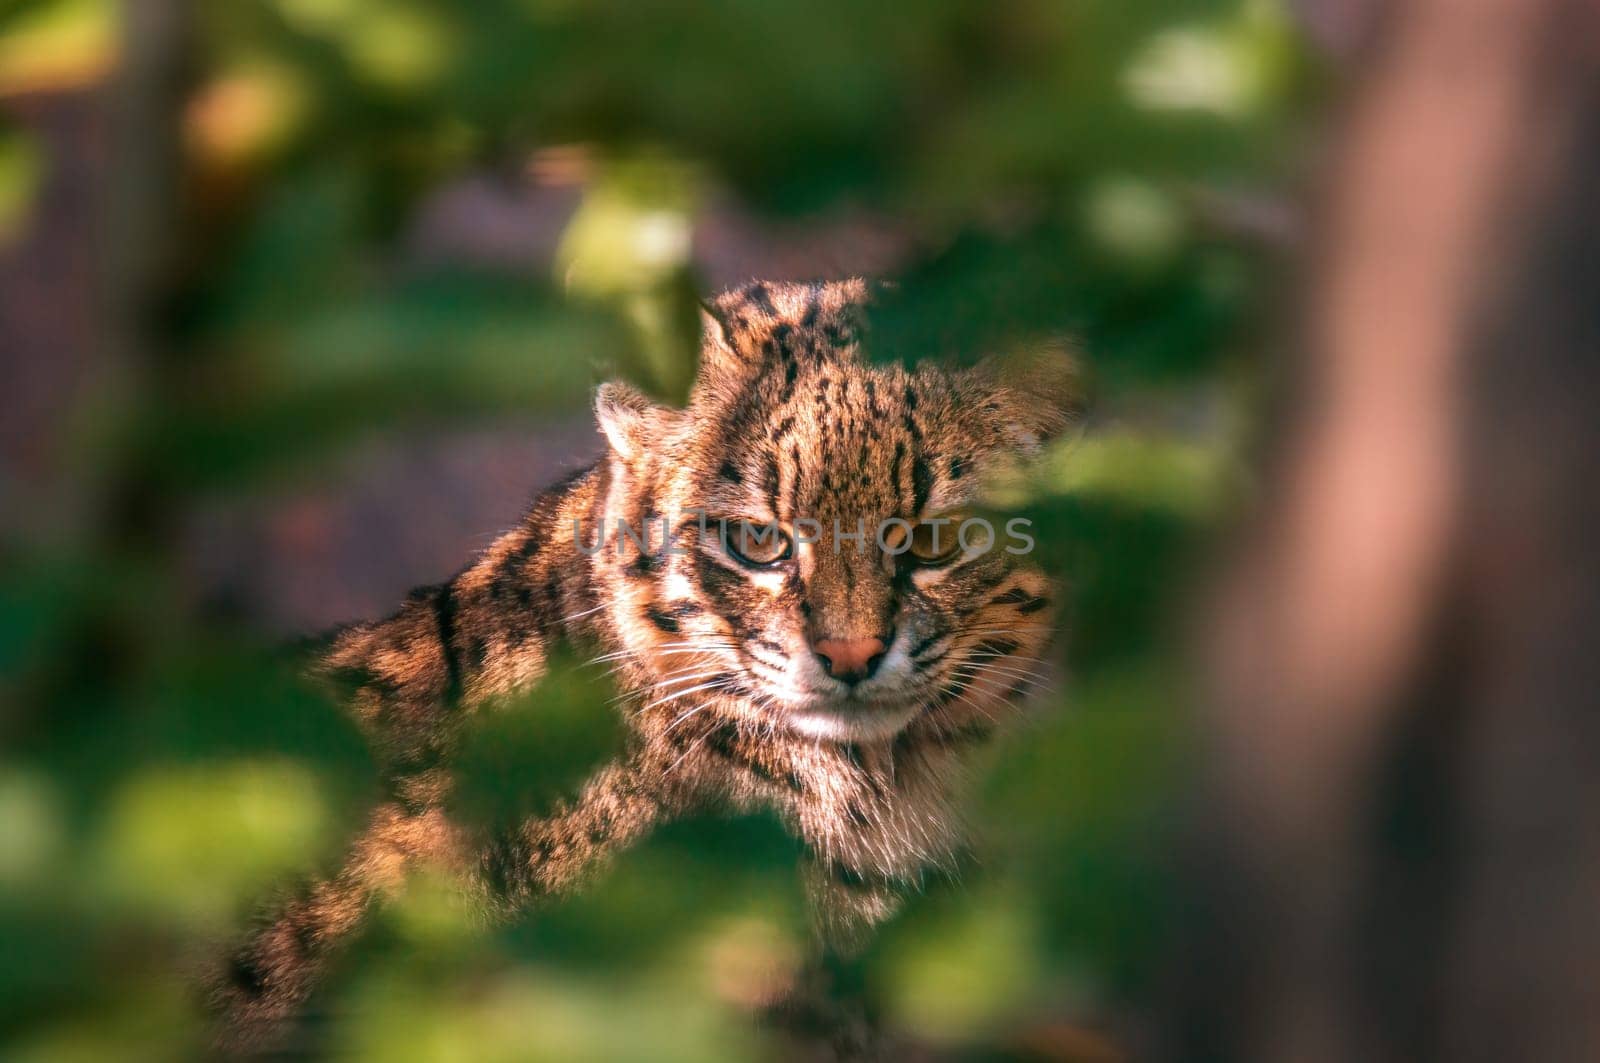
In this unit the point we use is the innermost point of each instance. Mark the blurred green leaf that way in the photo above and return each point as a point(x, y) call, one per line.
point(432, 349)
point(54, 44)
point(523, 758)
point(22, 166)
point(967, 967)
point(186, 843)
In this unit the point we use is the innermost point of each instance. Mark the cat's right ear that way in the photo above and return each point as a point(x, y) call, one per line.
point(723, 364)
point(631, 423)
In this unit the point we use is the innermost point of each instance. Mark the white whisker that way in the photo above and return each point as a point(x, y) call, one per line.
point(684, 693)
point(666, 683)
point(686, 715)
point(696, 744)
point(580, 616)
point(664, 650)
point(1030, 679)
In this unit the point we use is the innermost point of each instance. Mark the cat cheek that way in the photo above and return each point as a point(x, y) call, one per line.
point(771, 582)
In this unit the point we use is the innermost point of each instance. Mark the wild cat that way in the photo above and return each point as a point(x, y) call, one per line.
point(779, 573)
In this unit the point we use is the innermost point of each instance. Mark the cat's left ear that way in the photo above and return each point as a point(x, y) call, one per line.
point(1035, 396)
point(631, 423)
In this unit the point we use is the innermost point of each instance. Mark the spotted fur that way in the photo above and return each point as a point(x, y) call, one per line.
point(730, 707)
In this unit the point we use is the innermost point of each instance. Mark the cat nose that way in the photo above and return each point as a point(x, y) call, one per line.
point(851, 660)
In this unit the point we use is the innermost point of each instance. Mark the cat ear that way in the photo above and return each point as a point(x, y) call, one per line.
point(746, 328)
point(1035, 395)
point(632, 424)
point(723, 361)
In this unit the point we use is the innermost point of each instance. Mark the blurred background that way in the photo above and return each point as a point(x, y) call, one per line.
point(301, 301)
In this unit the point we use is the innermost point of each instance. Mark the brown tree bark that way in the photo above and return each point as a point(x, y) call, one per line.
point(1399, 853)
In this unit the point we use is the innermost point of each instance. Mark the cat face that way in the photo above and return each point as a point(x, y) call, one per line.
point(813, 565)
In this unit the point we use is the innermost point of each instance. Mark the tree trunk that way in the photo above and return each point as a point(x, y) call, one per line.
point(1398, 855)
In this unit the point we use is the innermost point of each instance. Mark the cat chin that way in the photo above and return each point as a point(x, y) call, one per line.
point(856, 725)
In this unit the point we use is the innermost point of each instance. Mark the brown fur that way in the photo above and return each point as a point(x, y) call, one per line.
point(785, 421)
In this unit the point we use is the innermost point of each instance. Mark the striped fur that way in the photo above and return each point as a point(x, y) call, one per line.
point(729, 706)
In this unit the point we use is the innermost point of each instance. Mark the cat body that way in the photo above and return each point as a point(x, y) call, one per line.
point(765, 572)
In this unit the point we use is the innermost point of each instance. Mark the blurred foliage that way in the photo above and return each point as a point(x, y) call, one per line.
point(163, 771)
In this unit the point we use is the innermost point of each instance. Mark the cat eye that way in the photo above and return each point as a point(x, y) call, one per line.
point(757, 545)
point(935, 543)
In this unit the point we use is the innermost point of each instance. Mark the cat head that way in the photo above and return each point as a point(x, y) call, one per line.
point(808, 558)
